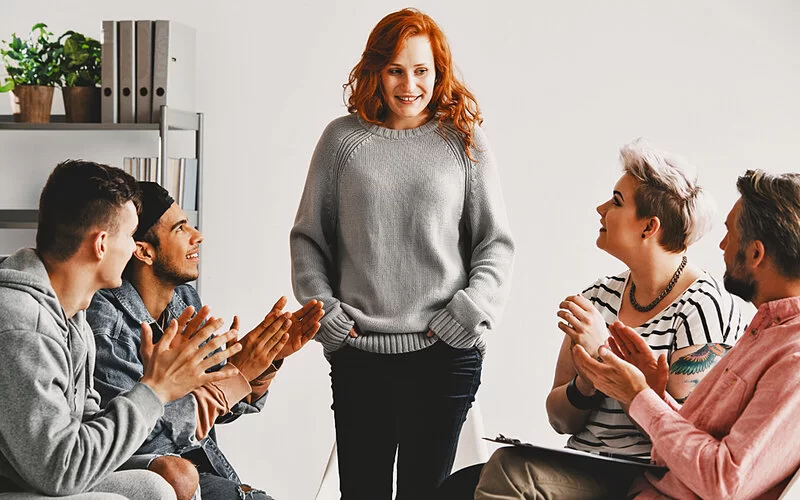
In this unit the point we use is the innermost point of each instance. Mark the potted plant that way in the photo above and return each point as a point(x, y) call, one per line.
point(80, 75)
point(33, 71)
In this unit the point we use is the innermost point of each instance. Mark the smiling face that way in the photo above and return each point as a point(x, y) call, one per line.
point(620, 231)
point(407, 84)
point(737, 279)
point(177, 256)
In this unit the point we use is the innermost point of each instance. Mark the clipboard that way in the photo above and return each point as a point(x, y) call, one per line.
point(602, 456)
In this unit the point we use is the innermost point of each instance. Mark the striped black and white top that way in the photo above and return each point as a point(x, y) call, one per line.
point(705, 313)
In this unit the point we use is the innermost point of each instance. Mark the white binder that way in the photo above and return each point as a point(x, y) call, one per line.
point(174, 66)
point(144, 71)
point(127, 72)
point(108, 62)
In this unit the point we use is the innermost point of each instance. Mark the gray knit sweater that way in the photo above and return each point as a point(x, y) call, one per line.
point(398, 232)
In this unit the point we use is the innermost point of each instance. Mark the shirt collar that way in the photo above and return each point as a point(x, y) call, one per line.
point(132, 303)
point(776, 312)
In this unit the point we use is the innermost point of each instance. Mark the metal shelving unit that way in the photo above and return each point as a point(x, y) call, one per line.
point(171, 119)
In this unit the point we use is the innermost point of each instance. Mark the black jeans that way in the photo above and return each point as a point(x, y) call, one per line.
point(414, 404)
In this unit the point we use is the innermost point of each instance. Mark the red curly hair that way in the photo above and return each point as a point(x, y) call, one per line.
point(450, 100)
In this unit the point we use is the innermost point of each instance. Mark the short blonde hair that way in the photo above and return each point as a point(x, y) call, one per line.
point(668, 190)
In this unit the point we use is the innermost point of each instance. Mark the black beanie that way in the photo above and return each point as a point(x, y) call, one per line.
point(155, 201)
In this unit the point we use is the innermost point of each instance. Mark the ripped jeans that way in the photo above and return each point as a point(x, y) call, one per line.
point(213, 487)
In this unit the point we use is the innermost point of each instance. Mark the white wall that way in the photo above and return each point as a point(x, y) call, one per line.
point(562, 85)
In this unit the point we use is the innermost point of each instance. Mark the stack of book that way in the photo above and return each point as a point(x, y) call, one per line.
point(180, 181)
point(146, 65)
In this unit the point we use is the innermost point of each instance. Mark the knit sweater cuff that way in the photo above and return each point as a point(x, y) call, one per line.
point(445, 326)
point(333, 333)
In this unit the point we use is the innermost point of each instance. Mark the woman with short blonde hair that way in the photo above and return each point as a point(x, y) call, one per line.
point(656, 211)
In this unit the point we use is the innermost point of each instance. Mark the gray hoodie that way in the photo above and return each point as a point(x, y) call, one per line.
point(54, 439)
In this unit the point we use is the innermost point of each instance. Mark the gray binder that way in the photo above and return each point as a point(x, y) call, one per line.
point(144, 71)
point(127, 72)
point(108, 63)
point(189, 183)
point(173, 67)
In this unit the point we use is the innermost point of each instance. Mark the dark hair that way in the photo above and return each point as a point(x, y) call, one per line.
point(80, 196)
point(770, 213)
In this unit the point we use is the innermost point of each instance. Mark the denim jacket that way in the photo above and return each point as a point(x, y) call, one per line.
point(115, 316)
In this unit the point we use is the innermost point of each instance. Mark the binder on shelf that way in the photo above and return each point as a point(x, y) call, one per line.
point(109, 66)
point(189, 183)
point(151, 168)
point(127, 72)
point(142, 169)
point(181, 181)
point(173, 67)
point(144, 71)
point(128, 167)
point(174, 179)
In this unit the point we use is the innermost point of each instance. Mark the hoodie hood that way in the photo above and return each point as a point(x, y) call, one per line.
point(24, 272)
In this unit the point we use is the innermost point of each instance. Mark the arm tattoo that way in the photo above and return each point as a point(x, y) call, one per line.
point(694, 383)
point(700, 360)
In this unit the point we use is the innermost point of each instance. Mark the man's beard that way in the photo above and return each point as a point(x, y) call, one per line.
point(168, 273)
point(744, 287)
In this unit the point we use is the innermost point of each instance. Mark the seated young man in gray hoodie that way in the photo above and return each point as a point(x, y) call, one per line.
point(54, 439)
point(154, 291)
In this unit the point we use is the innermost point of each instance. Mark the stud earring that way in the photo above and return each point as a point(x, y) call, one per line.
point(642, 235)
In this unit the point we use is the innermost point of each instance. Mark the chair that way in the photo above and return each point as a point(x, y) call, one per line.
point(792, 491)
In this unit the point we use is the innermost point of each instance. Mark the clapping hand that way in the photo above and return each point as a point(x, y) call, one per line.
point(262, 344)
point(615, 377)
point(304, 325)
point(177, 363)
point(631, 347)
point(582, 323)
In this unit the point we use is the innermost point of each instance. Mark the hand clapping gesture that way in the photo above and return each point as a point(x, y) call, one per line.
point(582, 323)
point(629, 346)
point(177, 363)
point(279, 335)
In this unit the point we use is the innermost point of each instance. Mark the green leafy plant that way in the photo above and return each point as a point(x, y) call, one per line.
point(34, 61)
point(80, 60)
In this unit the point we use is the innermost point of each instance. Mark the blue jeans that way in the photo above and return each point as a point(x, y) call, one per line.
point(413, 404)
point(213, 487)
point(218, 480)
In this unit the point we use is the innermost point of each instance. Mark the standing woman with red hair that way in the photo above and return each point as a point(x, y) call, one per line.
point(402, 233)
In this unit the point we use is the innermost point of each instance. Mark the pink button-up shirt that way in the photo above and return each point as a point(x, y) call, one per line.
point(738, 434)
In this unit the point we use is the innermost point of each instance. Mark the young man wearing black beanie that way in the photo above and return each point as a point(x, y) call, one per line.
point(156, 290)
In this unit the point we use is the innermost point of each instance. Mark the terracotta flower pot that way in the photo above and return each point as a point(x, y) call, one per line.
point(81, 104)
point(31, 103)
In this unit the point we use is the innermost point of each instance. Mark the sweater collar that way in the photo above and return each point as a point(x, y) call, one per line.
point(391, 133)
